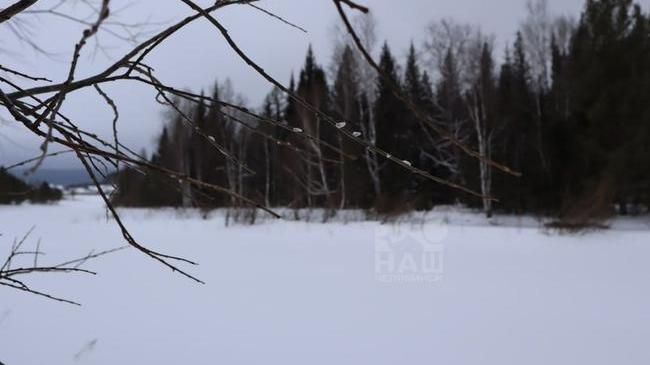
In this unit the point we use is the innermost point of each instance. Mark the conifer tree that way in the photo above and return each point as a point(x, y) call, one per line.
point(313, 173)
point(354, 181)
point(452, 115)
point(392, 133)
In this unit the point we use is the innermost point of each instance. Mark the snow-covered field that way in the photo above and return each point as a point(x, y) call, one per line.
point(308, 293)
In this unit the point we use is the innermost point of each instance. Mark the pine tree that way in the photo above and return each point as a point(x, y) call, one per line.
point(392, 133)
point(347, 106)
point(312, 172)
point(417, 86)
point(452, 115)
point(270, 163)
point(605, 69)
point(159, 190)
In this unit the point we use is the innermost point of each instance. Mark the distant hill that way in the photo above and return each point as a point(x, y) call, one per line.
point(13, 190)
point(64, 177)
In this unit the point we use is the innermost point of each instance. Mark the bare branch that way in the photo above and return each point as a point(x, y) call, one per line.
point(15, 9)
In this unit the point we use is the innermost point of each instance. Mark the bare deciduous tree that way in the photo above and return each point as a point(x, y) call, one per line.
point(22, 261)
point(536, 30)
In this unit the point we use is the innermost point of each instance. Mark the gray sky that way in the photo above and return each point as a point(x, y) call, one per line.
point(197, 56)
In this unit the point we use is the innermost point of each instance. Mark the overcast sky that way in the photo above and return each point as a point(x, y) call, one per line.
point(197, 56)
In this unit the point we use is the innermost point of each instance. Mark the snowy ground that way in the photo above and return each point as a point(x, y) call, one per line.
point(308, 293)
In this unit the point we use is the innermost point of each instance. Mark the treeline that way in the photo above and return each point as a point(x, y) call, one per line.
point(568, 107)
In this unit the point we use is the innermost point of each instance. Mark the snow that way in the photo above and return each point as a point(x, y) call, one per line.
point(87, 190)
point(285, 292)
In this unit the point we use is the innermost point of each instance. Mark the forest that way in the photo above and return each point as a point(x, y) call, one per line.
point(567, 105)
